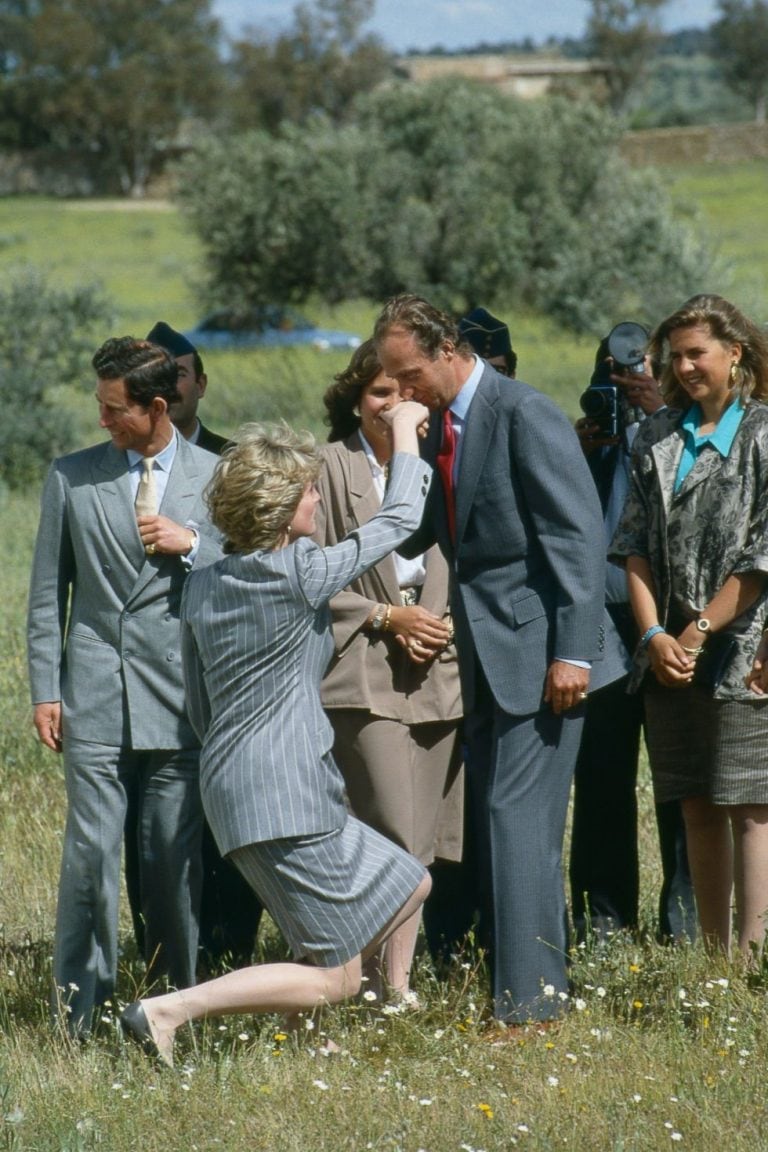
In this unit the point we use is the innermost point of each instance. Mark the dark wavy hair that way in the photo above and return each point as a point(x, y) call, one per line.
point(726, 324)
point(428, 324)
point(146, 369)
point(343, 396)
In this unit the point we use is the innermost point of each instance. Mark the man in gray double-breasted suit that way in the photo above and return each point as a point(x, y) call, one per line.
point(527, 559)
point(106, 679)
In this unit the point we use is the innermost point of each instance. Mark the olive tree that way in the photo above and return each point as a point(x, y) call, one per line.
point(450, 189)
point(47, 338)
point(740, 45)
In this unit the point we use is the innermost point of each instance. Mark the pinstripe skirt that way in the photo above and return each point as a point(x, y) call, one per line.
point(330, 894)
point(699, 746)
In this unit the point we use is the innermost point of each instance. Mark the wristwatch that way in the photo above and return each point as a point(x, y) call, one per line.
point(378, 617)
point(703, 625)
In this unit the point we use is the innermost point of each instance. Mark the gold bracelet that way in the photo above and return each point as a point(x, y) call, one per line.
point(693, 651)
point(387, 618)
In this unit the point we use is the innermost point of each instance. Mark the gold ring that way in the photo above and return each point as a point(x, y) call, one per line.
point(582, 695)
point(151, 549)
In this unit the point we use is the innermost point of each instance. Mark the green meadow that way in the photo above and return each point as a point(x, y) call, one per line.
point(663, 1047)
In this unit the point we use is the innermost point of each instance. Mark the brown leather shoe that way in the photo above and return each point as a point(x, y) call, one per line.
point(498, 1032)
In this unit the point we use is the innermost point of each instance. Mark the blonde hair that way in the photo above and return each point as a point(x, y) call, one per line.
point(258, 483)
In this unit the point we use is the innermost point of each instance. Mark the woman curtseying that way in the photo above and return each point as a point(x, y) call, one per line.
point(693, 536)
point(392, 690)
point(256, 641)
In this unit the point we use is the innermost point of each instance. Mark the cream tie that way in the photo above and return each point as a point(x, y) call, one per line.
point(146, 496)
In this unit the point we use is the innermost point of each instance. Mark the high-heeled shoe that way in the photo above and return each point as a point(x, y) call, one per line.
point(135, 1026)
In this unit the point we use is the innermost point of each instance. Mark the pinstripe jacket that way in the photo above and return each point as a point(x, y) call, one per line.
point(256, 640)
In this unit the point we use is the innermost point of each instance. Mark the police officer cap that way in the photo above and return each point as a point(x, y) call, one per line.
point(488, 336)
point(173, 341)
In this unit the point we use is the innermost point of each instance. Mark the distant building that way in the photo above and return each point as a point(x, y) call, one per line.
point(526, 77)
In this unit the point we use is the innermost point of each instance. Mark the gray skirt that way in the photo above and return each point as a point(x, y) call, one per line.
point(330, 894)
point(699, 746)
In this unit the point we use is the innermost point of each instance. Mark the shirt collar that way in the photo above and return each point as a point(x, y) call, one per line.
point(459, 406)
point(163, 459)
point(376, 468)
point(722, 436)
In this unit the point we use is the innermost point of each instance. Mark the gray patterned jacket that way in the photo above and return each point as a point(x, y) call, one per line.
point(714, 526)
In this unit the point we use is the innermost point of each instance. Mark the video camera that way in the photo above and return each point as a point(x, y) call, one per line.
point(621, 353)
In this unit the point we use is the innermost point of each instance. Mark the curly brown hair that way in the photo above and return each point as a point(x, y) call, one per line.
point(343, 396)
point(726, 324)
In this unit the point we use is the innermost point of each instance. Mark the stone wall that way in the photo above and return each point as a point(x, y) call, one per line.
point(714, 143)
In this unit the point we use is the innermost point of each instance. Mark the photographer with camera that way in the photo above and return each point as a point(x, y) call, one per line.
point(604, 868)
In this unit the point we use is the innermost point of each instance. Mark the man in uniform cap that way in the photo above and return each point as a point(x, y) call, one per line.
point(490, 339)
point(192, 385)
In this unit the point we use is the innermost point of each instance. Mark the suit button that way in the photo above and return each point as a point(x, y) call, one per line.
point(106, 568)
point(170, 657)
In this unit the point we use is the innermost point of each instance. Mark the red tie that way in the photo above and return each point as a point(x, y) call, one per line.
point(445, 461)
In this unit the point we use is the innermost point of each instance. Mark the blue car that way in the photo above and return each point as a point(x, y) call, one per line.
point(266, 327)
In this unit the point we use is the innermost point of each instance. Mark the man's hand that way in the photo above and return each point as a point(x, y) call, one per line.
point(159, 534)
point(47, 720)
point(640, 389)
point(566, 686)
point(590, 437)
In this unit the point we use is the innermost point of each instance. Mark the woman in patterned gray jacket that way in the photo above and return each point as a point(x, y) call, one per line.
point(694, 540)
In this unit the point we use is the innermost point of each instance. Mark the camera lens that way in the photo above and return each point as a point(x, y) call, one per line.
point(596, 402)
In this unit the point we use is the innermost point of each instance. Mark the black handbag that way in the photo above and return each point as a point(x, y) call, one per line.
point(712, 662)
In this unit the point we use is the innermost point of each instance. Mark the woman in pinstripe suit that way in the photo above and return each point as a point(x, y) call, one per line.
point(256, 641)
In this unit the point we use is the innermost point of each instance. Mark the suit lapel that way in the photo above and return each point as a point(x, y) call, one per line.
point(364, 504)
point(113, 490)
point(183, 485)
point(666, 455)
point(178, 504)
point(477, 439)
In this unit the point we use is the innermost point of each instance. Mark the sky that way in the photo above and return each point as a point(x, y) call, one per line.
point(453, 24)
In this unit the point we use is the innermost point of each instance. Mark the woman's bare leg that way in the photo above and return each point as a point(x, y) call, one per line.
point(285, 988)
point(750, 841)
point(398, 956)
point(710, 857)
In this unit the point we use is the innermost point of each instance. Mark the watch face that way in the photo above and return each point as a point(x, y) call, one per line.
point(703, 624)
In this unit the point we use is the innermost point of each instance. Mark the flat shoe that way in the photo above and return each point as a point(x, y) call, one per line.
point(135, 1026)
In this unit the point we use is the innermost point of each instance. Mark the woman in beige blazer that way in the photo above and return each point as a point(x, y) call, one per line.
point(392, 689)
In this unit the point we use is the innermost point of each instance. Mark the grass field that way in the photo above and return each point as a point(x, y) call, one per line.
point(663, 1048)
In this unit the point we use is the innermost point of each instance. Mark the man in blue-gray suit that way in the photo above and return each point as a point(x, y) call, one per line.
point(121, 525)
point(514, 508)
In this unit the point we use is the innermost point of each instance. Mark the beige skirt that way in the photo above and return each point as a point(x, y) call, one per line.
point(404, 780)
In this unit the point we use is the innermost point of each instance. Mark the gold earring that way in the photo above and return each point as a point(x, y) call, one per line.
point(733, 371)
